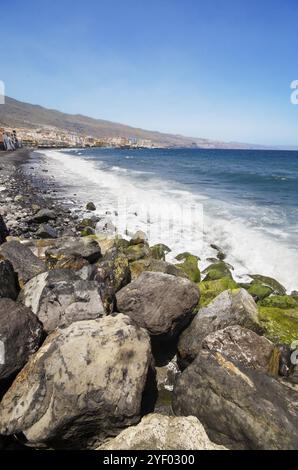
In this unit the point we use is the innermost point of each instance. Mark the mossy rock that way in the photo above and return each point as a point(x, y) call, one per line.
point(159, 251)
point(87, 222)
point(280, 325)
point(153, 265)
point(189, 266)
point(211, 289)
point(277, 288)
point(136, 252)
point(259, 291)
point(87, 232)
point(280, 301)
point(217, 271)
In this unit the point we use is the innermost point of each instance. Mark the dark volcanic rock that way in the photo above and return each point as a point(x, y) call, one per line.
point(44, 215)
point(161, 303)
point(90, 206)
point(239, 407)
point(24, 262)
point(3, 231)
point(84, 384)
point(232, 307)
point(46, 231)
point(74, 247)
point(9, 287)
point(20, 336)
point(60, 298)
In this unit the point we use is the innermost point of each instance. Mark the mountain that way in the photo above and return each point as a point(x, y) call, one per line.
point(17, 114)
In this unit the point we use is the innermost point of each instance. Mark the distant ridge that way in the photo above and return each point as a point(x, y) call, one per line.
point(24, 115)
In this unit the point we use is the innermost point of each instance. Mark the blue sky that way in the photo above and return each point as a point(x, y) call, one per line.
point(219, 69)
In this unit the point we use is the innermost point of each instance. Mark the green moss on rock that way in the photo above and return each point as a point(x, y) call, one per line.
point(280, 301)
point(189, 266)
point(211, 289)
point(217, 271)
point(259, 291)
point(281, 325)
point(159, 251)
point(269, 282)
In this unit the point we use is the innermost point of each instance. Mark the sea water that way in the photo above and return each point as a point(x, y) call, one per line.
point(246, 202)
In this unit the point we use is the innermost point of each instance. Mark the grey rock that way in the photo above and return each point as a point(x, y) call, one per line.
point(60, 298)
point(20, 336)
point(159, 432)
point(239, 407)
point(73, 247)
point(161, 303)
point(46, 231)
point(154, 265)
point(228, 309)
point(44, 215)
point(24, 262)
point(241, 345)
point(8, 281)
point(83, 385)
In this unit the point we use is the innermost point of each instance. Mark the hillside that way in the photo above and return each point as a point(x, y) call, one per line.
point(24, 115)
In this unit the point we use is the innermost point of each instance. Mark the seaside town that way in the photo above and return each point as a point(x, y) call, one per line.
point(51, 137)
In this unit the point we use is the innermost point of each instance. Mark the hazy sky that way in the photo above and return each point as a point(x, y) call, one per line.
point(216, 68)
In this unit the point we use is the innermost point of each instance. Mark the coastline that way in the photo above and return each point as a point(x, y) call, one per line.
point(22, 195)
point(114, 311)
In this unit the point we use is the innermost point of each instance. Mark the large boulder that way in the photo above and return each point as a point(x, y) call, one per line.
point(232, 307)
point(159, 432)
point(8, 281)
point(24, 262)
point(239, 407)
point(83, 385)
point(20, 336)
point(161, 303)
point(3, 231)
point(69, 248)
point(241, 345)
point(60, 297)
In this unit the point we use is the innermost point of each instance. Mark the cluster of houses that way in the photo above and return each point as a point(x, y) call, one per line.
point(9, 140)
point(51, 137)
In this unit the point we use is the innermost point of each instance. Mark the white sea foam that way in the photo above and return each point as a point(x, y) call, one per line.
point(183, 220)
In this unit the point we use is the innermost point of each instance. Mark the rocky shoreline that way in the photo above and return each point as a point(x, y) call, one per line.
point(105, 345)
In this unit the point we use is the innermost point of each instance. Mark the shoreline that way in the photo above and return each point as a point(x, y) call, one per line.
point(22, 195)
point(31, 187)
point(114, 311)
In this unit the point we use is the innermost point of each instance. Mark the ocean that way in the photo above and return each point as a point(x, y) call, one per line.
point(246, 202)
